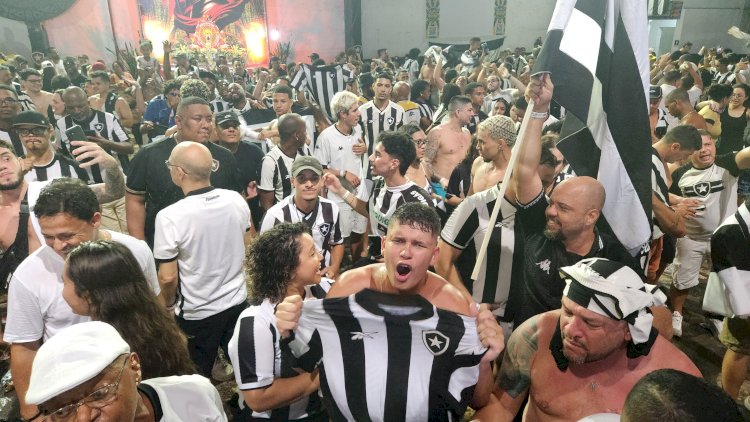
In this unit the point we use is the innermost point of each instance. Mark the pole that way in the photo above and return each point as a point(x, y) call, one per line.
point(114, 35)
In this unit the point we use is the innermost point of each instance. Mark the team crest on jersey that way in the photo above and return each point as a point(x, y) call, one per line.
point(702, 189)
point(391, 120)
point(544, 265)
point(98, 127)
point(214, 165)
point(324, 229)
point(435, 341)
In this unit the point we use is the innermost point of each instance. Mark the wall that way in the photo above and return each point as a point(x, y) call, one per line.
point(526, 20)
point(707, 25)
point(14, 38)
point(312, 27)
point(654, 34)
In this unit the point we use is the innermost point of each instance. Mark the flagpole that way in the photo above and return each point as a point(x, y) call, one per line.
point(503, 187)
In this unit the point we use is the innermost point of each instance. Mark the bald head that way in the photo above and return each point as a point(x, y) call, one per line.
point(587, 189)
point(401, 91)
point(74, 93)
point(194, 158)
point(290, 125)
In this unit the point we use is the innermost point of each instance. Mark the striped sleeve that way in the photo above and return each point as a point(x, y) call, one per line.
point(462, 225)
point(254, 340)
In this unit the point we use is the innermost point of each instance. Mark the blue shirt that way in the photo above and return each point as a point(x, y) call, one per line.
point(160, 114)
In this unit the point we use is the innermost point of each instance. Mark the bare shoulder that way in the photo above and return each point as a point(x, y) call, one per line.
point(446, 296)
point(351, 282)
point(664, 354)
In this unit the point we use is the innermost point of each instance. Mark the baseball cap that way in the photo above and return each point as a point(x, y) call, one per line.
point(73, 356)
point(654, 92)
point(226, 116)
point(47, 63)
point(306, 162)
point(98, 66)
point(314, 56)
point(30, 118)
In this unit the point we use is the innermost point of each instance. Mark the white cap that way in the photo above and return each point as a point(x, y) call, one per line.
point(73, 356)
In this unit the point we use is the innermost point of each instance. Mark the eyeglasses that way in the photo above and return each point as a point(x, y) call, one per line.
point(174, 94)
point(37, 131)
point(301, 179)
point(421, 143)
point(100, 398)
point(34, 81)
point(170, 165)
point(8, 101)
point(737, 95)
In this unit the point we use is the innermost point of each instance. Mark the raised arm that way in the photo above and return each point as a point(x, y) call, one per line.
point(525, 180)
point(113, 187)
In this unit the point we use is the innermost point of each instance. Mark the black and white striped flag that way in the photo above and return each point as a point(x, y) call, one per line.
point(597, 52)
point(322, 83)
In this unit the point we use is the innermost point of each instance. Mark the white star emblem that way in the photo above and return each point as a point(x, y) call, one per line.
point(435, 342)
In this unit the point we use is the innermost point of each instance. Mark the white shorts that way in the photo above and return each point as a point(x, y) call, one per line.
point(688, 260)
point(350, 221)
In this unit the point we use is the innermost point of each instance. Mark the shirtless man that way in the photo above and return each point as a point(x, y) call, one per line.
point(447, 144)
point(409, 248)
point(584, 358)
point(678, 105)
point(282, 104)
point(495, 139)
point(107, 100)
point(31, 82)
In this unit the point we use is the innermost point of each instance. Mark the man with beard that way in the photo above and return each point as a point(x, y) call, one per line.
point(447, 143)
point(583, 359)
point(495, 141)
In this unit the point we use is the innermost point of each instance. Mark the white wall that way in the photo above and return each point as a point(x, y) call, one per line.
point(654, 33)
point(706, 23)
point(14, 38)
point(525, 21)
point(397, 25)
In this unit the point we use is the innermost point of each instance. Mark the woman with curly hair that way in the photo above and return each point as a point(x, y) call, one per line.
point(103, 280)
point(282, 261)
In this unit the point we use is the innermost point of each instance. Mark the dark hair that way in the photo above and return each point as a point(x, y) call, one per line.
point(417, 215)
point(471, 87)
point(9, 88)
point(384, 75)
point(186, 102)
point(410, 129)
point(110, 279)
point(687, 82)
point(288, 125)
point(672, 76)
point(400, 146)
point(475, 39)
point(206, 74)
point(24, 74)
point(507, 105)
point(9, 146)
point(555, 127)
point(718, 92)
point(450, 76)
point(413, 53)
point(171, 85)
point(686, 135)
point(69, 196)
point(99, 74)
point(449, 91)
point(283, 89)
point(417, 88)
point(59, 82)
point(271, 259)
point(195, 88)
point(745, 88)
point(677, 94)
point(521, 103)
point(669, 395)
point(380, 50)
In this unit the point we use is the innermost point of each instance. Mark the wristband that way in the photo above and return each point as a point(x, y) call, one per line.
point(346, 196)
point(536, 115)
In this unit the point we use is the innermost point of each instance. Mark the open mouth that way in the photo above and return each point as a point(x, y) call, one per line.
point(402, 272)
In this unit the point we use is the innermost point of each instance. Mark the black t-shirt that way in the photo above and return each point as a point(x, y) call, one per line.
point(79, 81)
point(248, 158)
point(543, 258)
point(149, 176)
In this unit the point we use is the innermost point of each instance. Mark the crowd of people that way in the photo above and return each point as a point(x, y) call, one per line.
point(309, 230)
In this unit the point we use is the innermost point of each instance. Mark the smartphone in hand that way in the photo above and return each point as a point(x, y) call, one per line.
point(76, 133)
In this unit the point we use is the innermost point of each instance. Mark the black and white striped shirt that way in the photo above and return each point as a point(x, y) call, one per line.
point(658, 186)
point(323, 222)
point(276, 173)
point(258, 360)
point(466, 229)
point(389, 357)
point(322, 83)
point(59, 166)
point(107, 125)
point(425, 109)
point(23, 98)
point(375, 121)
point(385, 199)
point(662, 126)
point(730, 261)
point(724, 78)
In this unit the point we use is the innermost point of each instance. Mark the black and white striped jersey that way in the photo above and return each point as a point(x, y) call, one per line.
point(323, 222)
point(658, 186)
point(322, 83)
point(425, 109)
point(387, 357)
point(375, 121)
point(107, 125)
point(23, 98)
point(466, 229)
point(59, 166)
point(385, 199)
point(730, 261)
point(276, 173)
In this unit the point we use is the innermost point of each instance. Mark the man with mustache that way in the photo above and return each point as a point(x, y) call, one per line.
point(583, 359)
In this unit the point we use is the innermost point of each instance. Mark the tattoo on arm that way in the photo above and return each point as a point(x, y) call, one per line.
point(430, 153)
point(515, 372)
point(113, 187)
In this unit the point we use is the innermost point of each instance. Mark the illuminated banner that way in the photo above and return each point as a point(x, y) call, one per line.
point(205, 28)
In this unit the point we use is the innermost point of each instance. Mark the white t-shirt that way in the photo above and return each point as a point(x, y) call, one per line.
point(334, 150)
point(36, 308)
point(204, 233)
point(185, 398)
